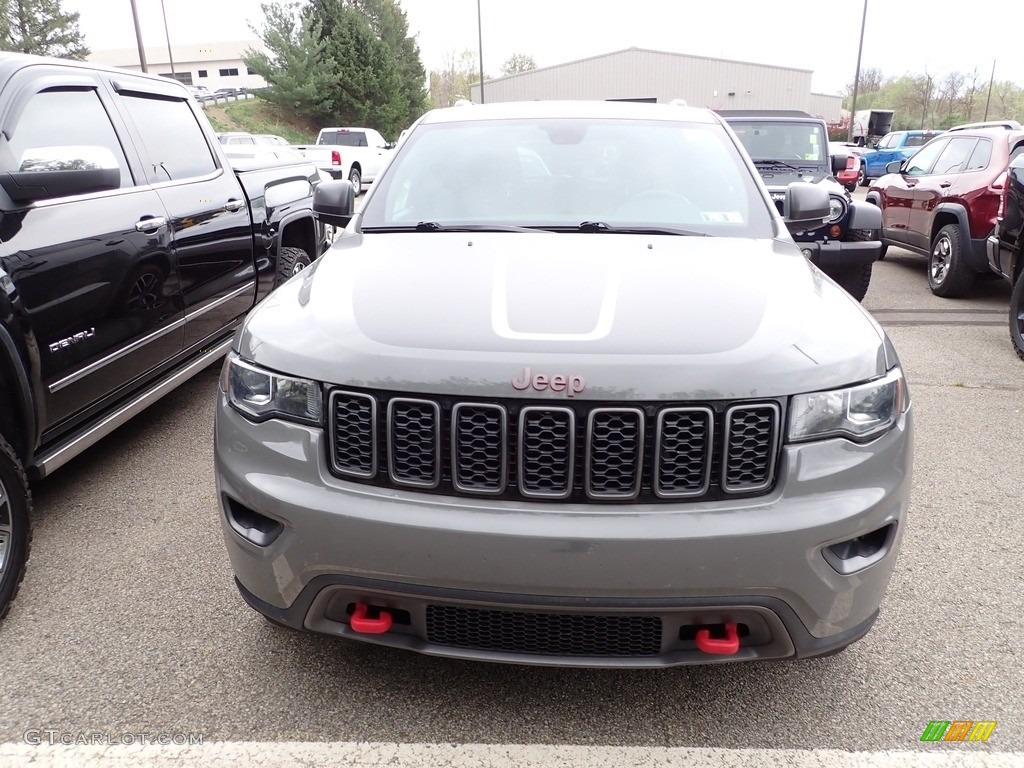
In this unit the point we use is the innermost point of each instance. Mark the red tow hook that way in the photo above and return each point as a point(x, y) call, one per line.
point(364, 625)
point(721, 646)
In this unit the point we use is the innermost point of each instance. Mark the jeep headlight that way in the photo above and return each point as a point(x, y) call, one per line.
point(858, 413)
point(836, 210)
point(261, 394)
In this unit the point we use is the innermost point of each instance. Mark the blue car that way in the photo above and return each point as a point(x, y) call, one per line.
point(898, 145)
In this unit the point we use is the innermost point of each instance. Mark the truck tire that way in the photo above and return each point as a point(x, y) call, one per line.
point(290, 261)
point(854, 280)
point(1017, 315)
point(15, 525)
point(948, 275)
point(357, 180)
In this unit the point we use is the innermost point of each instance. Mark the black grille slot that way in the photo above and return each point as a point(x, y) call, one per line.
point(750, 440)
point(548, 634)
point(683, 453)
point(615, 444)
point(354, 449)
point(414, 442)
point(479, 453)
point(546, 448)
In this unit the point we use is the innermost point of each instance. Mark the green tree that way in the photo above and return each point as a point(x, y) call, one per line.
point(342, 62)
point(518, 62)
point(297, 64)
point(42, 28)
point(391, 26)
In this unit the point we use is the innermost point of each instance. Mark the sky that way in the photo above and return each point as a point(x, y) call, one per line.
point(900, 36)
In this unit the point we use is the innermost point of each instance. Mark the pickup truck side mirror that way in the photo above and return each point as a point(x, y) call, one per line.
point(50, 172)
point(806, 205)
point(334, 202)
point(894, 166)
point(839, 163)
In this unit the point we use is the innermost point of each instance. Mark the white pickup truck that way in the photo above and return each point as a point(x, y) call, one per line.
point(356, 154)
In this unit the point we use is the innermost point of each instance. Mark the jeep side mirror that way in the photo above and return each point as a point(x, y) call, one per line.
point(334, 202)
point(894, 166)
point(805, 205)
point(839, 163)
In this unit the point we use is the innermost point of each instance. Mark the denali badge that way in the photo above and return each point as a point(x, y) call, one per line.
point(571, 384)
point(65, 343)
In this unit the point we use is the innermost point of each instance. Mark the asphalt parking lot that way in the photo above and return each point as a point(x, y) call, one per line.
point(128, 620)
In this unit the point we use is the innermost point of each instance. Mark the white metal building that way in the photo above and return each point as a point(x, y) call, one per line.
point(640, 74)
point(215, 65)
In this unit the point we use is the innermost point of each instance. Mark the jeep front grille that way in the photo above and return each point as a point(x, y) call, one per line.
point(523, 449)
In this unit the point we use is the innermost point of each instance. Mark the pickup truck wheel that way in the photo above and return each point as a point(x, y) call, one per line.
point(862, 177)
point(1017, 316)
point(948, 275)
point(15, 525)
point(356, 179)
point(289, 262)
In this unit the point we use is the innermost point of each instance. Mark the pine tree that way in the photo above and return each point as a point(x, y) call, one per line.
point(391, 26)
point(42, 28)
point(297, 64)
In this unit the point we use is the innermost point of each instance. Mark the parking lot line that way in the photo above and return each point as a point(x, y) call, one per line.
point(373, 755)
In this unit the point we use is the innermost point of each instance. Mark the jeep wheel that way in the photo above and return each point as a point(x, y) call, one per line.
point(15, 522)
point(1017, 315)
point(289, 262)
point(948, 275)
point(853, 280)
point(357, 181)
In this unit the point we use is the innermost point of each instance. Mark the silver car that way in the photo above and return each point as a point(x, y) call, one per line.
point(565, 392)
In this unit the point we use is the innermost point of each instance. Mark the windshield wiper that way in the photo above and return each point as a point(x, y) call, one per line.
point(600, 226)
point(434, 226)
point(776, 164)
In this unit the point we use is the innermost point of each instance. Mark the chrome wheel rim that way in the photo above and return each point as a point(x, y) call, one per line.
point(1020, 319)
point(297, 267)
point(942, 253)
point(355, 178)
point(6, 528)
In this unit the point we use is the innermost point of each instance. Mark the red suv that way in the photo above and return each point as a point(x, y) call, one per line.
point(942, 202)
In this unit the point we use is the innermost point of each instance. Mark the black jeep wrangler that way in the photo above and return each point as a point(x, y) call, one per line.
point(788, 146)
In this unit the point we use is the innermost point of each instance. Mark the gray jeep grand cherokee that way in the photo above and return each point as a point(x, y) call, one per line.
point(566, 392)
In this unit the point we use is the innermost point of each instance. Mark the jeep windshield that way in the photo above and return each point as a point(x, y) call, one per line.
point(794, 144)
point(563, 175)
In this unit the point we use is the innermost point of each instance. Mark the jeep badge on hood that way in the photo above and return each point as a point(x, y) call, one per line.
point(572, 384)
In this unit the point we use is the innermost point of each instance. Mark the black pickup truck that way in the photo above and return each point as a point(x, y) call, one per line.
point(129, 252)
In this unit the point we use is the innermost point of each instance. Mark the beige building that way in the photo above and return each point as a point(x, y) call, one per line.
point(639, 74)
point(214, 65)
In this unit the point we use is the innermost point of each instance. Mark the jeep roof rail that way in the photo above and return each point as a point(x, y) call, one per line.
point(764, 113)
point(1009, 125)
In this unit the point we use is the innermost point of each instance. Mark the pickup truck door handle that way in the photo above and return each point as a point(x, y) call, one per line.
point(150, 224)
point(234, 205)
point(945, 184)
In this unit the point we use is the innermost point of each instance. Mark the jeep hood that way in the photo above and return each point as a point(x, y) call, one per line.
point(660, 317)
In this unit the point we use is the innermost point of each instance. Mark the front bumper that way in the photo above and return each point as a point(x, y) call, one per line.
point(758, 562)
point(841, 253)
